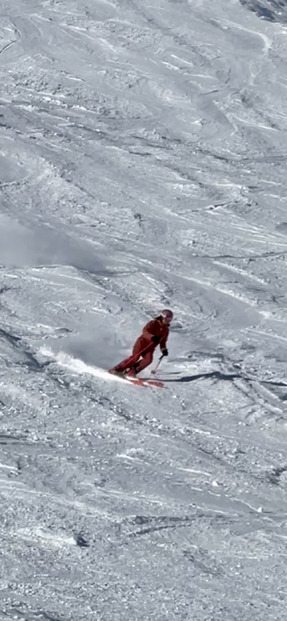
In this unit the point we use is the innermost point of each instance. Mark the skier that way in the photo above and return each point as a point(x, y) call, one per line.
point(154, 333)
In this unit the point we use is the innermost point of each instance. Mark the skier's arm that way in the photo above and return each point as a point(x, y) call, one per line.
point(163, 344)
point(150, 330)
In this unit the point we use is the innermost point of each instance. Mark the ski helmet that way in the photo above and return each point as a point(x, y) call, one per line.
point(167, 315)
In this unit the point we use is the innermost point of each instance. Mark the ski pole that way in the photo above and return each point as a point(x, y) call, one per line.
point(156, 368)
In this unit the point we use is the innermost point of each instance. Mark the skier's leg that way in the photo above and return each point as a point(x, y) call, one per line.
point(128, 363)
point(144, 362)
point(123, 365)
point(139, 345)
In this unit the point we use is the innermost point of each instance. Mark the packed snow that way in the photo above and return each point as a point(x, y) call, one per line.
point(143, 166)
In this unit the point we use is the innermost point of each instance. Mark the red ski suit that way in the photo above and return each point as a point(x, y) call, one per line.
point(158, 328)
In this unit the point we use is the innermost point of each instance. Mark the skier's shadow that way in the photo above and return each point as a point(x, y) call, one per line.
point(213, 374)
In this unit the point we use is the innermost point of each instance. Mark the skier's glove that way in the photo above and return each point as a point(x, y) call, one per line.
point(164, 352)
point(155, 339)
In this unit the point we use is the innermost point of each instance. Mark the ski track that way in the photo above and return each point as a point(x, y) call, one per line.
point(142, 165)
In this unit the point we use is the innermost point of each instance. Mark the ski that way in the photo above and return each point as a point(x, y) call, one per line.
point(138, 381)
point(144, 382)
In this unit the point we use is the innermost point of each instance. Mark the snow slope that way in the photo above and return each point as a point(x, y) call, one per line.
point(142, 166)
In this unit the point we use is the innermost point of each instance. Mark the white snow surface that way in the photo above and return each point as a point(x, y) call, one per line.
point(143, 166)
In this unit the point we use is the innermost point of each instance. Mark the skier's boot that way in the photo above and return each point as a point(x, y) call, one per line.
point(132, 371)
point(114, 371)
